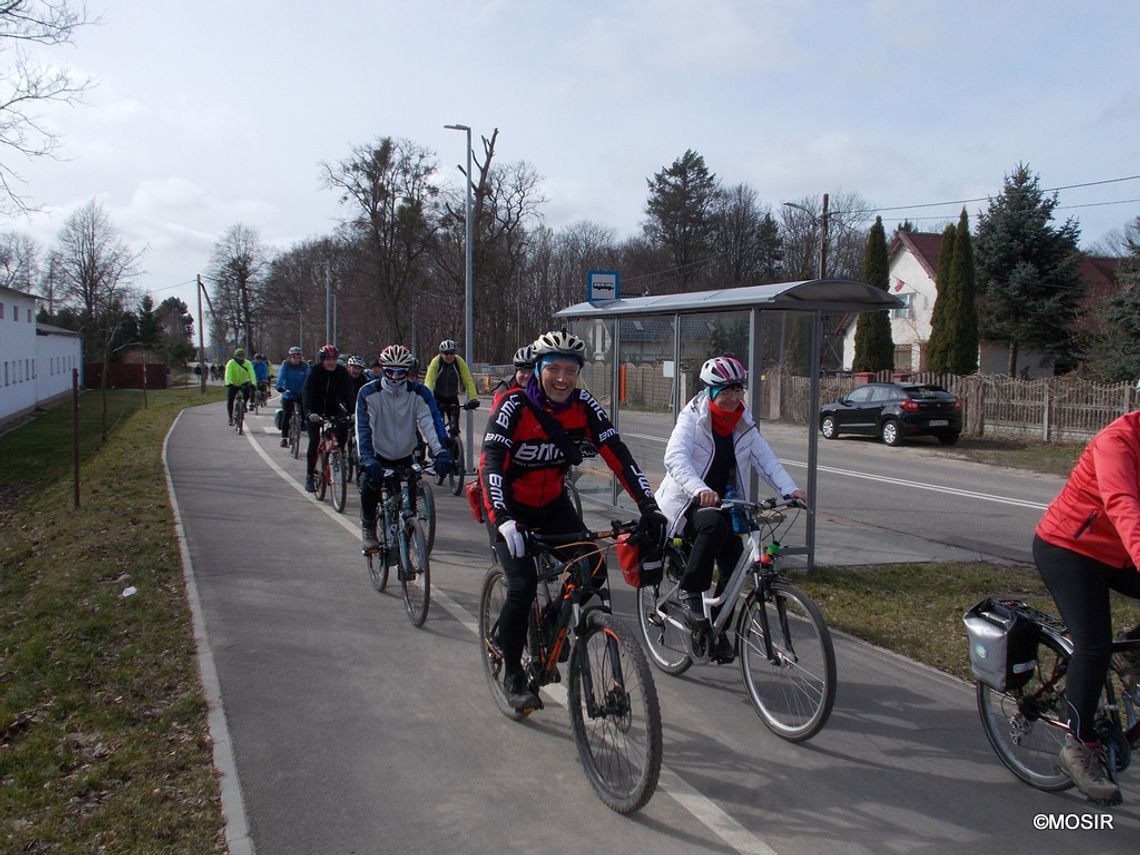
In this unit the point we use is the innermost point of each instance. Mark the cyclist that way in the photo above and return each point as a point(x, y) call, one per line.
point(239, 375)
point(327, 392)
point(1086, 544)
point(261, 372)
point(530, 443)
point(446, 373)
point(290, 381)
point(715, 446)
point(355, 367)
point(388, 414)
point(524, 370)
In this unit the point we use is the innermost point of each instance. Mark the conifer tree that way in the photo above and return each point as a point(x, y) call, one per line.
point(937, 349)
point(963, 340)
point(874, 348)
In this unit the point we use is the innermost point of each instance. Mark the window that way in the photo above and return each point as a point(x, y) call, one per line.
point(860, 395)
point(903, 358)
point(905, 310)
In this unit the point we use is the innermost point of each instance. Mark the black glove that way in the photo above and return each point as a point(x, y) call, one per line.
point(652, 526)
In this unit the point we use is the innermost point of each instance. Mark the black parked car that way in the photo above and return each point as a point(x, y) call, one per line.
point(894, 411)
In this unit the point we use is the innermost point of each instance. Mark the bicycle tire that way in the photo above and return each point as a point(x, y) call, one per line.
point(795, 694)
point(239, 417)
point(295, 434)
point(415, 571)
point(1027, 727)
point(377, 570)
point(665, 643)
point(571, 491)
point(491, 599)
point(339, 481)
point(425, 511)
point(620, 745)
point(459, 467)
point(322, 476)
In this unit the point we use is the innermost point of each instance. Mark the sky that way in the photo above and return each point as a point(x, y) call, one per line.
point(211, 113)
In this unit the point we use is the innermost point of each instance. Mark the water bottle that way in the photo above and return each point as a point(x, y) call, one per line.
point(736, 513)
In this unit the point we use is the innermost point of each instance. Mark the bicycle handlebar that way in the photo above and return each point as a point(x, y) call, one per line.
point(769, 504)
point(617, 527)
point(473, 404)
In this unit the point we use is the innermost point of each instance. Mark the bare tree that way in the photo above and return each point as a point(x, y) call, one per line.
point(26, 85)
point(746, 244)
point(93, 268)
point(237, 267)
point(19, 261)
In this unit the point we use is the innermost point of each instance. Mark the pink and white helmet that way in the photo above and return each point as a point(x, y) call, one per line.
point(724, 371)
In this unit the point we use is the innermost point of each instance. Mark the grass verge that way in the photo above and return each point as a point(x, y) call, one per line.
point(1047, 458)
point(103, 738)
point(916, 609)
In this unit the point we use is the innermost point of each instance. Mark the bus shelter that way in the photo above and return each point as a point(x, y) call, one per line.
point(644, 355)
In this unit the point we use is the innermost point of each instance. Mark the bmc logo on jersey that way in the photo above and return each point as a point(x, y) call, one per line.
point(606, 434)
point(506, 411)
point(538, 452)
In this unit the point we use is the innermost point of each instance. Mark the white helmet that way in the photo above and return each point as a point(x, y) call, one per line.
point(560, 343)
point(396, 356)
point(524, 357)
point(724, 371)
point(448, 346)
point(357, 361)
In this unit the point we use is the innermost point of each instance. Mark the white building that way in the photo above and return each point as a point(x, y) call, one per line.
point(36, 360)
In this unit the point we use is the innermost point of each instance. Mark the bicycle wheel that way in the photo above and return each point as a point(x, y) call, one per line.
point(377, 570)
point(794, 691)
point(459, 469)
point(339, 481)
point(665, 640)
point(491, 600)
point(295, 434)
point(239, 417)
point(415, 571)
point(1027, 726)
point(571, 490)
point(322, 475)
point(614, 714)
point(425, 512)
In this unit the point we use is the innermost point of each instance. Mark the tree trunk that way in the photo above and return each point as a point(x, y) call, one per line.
point(1011, 369)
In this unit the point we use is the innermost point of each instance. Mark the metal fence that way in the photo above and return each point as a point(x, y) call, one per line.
point(1051, 409)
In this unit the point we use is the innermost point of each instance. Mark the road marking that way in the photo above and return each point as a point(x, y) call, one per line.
point(703, 809)
point(238, 840)
point(898, 482)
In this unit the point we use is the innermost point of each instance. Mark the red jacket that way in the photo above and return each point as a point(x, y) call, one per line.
point(1097, 513)
point(522, 466)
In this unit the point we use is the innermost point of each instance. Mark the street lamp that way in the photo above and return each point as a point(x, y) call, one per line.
point(821, 221)
point(469, 315)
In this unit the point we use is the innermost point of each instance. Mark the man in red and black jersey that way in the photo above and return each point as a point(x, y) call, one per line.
point(521, 473)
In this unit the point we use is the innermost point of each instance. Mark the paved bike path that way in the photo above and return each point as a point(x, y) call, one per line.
point(353, 731)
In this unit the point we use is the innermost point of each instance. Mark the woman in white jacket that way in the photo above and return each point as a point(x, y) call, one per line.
point(715, 444)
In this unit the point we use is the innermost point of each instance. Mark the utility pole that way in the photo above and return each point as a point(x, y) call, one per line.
point(201, 339)
point(328, 304)
point(823, 240)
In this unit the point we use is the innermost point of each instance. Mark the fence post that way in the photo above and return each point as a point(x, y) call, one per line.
point(75, 432)
point(1045, 414)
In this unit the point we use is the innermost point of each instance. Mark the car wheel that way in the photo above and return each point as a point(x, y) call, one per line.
point(948, 438)
point(891, 432)
point(828, 427)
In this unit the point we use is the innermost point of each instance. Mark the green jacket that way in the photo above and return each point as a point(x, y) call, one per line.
point(240, 373)
point(447, 381)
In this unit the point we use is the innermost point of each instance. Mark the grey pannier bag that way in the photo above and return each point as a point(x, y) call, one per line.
point(1003, 644)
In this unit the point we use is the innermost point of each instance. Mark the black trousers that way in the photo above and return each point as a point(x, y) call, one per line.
point(370, 489)
point(559, 517)
point(1080, 587)
point(713, 541)
point(288, 405)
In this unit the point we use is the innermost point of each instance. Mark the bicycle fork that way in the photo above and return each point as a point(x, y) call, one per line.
point(616, 700)
point(787, 653)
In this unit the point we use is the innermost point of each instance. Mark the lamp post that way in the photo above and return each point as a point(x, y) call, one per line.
point(469, 314)
point(816, 345)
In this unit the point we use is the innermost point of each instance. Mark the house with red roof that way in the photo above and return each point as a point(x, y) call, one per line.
point(913, 265)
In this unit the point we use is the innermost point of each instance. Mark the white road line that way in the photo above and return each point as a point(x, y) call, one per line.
point(238, 840)
point(898, 482)
point(703, 809)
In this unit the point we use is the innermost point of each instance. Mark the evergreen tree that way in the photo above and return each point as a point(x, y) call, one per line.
point(681, 203)
point(1027, 270)
point(938, 348)
point(1116, 350)
point(149, 329)
point(963, 339)
point(874, 348)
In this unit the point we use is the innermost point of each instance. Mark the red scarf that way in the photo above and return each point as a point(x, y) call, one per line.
point(723, 421)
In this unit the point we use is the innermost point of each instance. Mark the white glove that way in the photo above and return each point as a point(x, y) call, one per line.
point(512, 533)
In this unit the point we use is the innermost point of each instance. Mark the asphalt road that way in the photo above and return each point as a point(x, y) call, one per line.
point(352, 731)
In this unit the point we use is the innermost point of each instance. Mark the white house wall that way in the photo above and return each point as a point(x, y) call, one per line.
point(913, 330)
point(57, 355)
point(17, 353)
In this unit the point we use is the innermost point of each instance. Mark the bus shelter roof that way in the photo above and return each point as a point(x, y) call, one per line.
point(827, 295)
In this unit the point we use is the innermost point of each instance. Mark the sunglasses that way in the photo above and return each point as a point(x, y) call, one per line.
point(395, 373)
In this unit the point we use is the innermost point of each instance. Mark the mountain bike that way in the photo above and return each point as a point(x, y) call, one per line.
point(1027, 725)
point(402, 543)
point(332, 474)
point(295, 430)
point(786, 655)
point(455, 447)
point(614, 712)
point(241, 404)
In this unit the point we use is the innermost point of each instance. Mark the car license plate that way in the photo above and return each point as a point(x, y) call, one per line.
point(939, 422)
